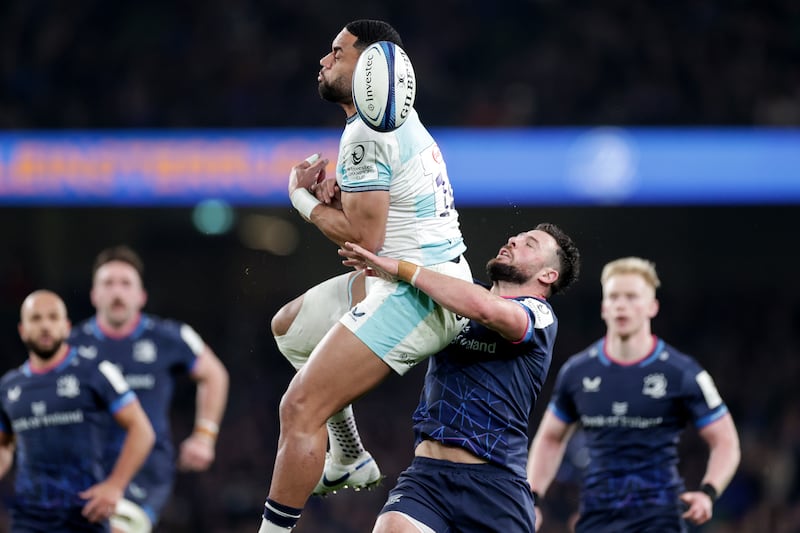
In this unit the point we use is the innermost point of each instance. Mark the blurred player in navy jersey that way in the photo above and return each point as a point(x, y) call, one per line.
point(54, 411)
point(151, 352)
point(392, 195)
point(471, 424)
point(633, 394)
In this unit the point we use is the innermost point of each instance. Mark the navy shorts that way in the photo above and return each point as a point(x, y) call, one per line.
point(54, 521)
point(450, 497)
point(150, 495)
point(633, 520)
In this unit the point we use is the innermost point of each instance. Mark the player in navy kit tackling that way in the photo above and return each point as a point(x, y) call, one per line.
point(54, 411)
point(633, 394)
point(471, 424)
point(151, 352)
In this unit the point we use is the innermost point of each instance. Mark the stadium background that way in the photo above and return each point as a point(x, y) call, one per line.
point(730, 293)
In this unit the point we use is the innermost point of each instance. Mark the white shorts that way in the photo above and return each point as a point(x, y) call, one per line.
point(401, 324)
point(323, 305)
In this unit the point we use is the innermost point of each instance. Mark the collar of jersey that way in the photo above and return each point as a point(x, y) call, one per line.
point(658, 347)
point(28, 371)
point(136, 333)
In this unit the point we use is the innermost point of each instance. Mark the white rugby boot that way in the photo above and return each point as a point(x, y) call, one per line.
point(361, 474)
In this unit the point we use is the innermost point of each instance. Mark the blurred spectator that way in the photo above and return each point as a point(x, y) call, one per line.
point(152, 64)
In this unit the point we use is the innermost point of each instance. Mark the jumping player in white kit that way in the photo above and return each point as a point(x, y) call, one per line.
point(392, 195)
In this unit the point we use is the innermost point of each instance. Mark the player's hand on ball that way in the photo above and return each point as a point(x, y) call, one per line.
point(197, 453)
point(307, 173)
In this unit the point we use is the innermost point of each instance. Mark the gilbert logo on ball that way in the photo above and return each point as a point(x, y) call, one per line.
point(384, 86)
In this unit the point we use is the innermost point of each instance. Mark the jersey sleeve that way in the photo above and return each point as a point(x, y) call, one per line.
point(703, 401)
point(366, 161)
point(562, 404)
point(5, 421)
point(540, 319)
point(111, 387)
point(187, 344)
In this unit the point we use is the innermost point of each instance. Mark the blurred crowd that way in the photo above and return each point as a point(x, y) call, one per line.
point(244, 63)
point(728, 297)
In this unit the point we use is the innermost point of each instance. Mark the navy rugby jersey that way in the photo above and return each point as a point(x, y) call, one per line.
point(150, 358)
point(632, 416)
point(479, 390)
point(59, 418)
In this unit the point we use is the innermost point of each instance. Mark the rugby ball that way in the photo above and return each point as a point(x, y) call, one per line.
point(384, 86)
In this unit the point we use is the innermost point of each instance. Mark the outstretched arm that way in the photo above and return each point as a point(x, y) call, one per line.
point(197, 452)
point(723, 460)
point(103, 497)
point(461, 297)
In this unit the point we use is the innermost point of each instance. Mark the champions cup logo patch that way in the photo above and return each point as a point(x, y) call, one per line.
point(541, 313)
point(358, 164)
point(68, 386)
point(358, 154)
point(655, 386)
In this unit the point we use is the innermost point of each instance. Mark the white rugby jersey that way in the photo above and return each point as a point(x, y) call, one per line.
point(422, 225)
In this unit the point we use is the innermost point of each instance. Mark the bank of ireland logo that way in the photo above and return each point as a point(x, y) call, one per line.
point(655, 386)
point(68, 386)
